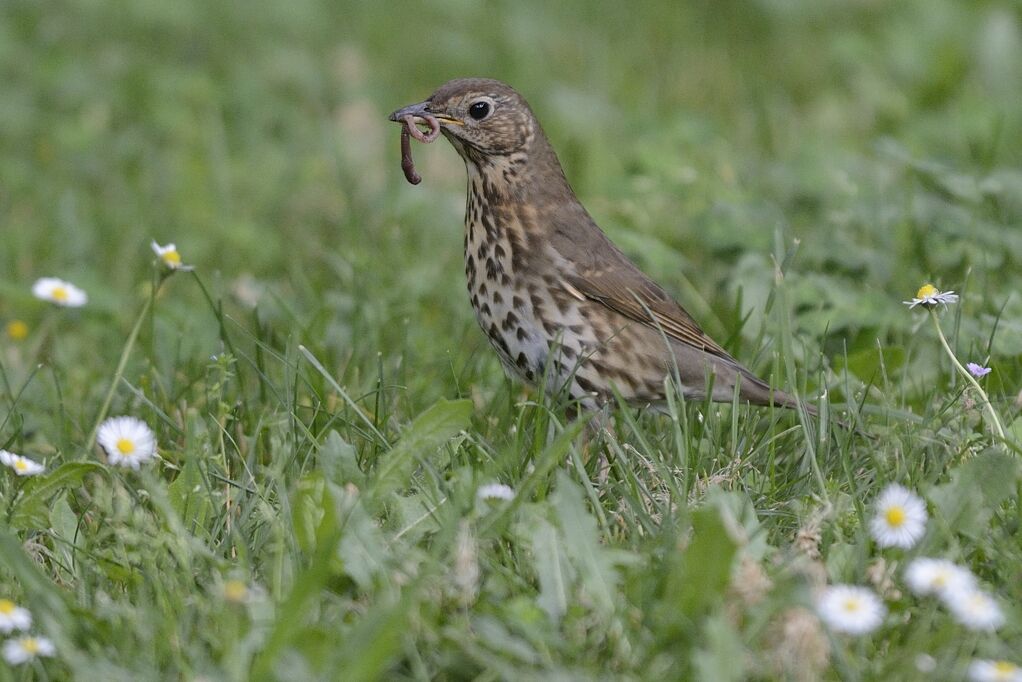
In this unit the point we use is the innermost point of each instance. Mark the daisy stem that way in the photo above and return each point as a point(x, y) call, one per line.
point(121, 364)
point(965, 373)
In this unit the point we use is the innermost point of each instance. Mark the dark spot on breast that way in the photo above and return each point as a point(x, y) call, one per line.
point(505, 281)
point(489, 226)
point(482, 289)
point(576, 329)
point(509, 321)
point(498, 252)
point(485, 309)
point(522, 361)
point(521, 334)
point(489, 190)
point(585, 384)
point(497, 298)
point(481, 251)
point(491, 269)
point(498, 339)
point(517, 302)
point(562, 300)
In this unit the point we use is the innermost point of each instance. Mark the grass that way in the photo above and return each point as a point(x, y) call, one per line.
point(326, 407)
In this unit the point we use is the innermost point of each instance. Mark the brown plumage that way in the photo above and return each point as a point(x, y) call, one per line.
point(561, 304)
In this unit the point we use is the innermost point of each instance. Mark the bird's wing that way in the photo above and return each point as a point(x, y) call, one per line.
point(604, 274)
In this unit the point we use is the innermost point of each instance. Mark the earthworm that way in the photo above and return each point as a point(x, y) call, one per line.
point(407, 164)
point(409, 130)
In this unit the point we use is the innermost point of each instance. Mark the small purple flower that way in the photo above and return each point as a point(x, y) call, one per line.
point(977, 370)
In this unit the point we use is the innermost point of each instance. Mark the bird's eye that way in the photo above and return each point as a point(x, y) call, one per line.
point(479, 110)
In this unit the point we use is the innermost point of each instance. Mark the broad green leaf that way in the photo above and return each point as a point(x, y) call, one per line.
point(338, 461)
point(321, 515)
point(976, 488)
point(428, 431)
point(703, 569)
point(374, 644)
point(722, 657)
point(553, 569)
point(31, 509)
point(581, 542)
point(363, 549)
point(189, 497)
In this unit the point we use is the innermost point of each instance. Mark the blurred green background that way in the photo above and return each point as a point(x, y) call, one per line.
point(885, 137)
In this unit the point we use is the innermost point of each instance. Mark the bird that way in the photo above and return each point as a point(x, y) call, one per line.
point(564, 308)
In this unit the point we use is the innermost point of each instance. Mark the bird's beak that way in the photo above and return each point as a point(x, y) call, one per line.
point(421, 110)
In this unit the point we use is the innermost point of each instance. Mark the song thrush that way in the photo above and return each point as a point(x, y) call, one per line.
point(560, 303)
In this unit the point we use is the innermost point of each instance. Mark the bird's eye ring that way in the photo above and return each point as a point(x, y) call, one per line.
point(479, 110)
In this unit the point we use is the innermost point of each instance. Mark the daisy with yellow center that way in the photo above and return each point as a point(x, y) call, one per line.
point(929, 295)
point(495, 492)
point(938, 576)
point(975, 609)
point(127, 441)
point(13, 617)
point(236, 591)
point(16, 330)
point(994, 671)
point(23, 649)
point(850, 609)
point(169, 256)
point(900, 518)
point(59, 292)
point(22, 466)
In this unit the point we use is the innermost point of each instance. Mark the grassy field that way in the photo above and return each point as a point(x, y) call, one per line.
point(326, 408)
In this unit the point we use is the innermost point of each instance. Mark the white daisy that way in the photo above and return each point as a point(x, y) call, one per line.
point(22, 466)
point(851, 609)
point(236, 591)
point(13, 617)
point(938, 576)
point(23, 649)
point(127, 441)
point(900, 518)
point(975, 609)
point(994, 671)
point(929, 295)
point(495, 491)
point(169, 256)
point(60, 292)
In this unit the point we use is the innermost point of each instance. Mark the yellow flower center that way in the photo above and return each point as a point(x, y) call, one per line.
point(235, 591)
point(17, 330)
point(59, 293)
point(1005, 667)
point(6, 607)
point(940, 579)
point(171, 258)
point(851, 605)
point(30, 645)
point(895, 516)
point(126, 446)
point(927, 290)
point(20, 464)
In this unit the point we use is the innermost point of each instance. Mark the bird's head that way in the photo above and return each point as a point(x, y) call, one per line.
point(479, 116)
